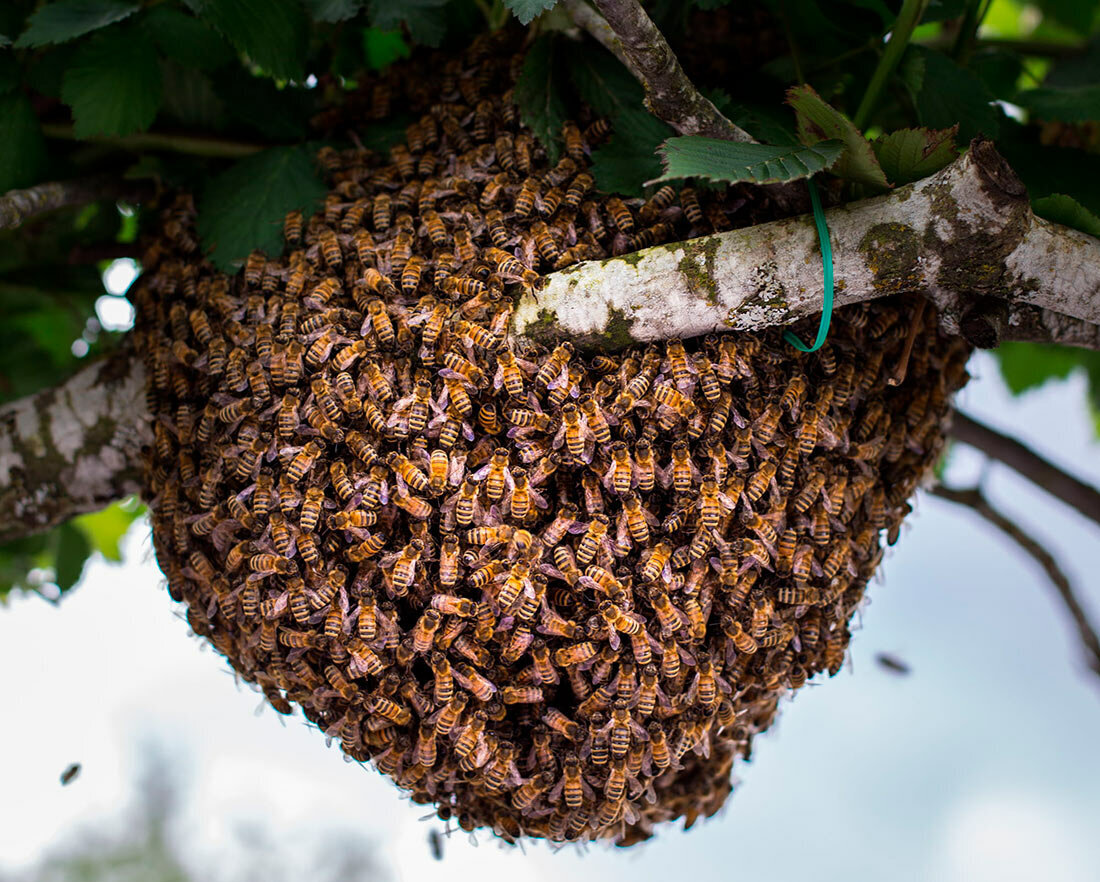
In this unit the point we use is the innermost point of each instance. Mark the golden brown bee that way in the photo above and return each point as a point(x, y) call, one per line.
point(547, 247)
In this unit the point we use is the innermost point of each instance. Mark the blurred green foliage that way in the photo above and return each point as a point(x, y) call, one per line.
point(233, 91)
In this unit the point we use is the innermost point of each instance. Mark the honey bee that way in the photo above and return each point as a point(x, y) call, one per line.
point(656, 563)
point(525, 199)
point(311, 509)
point(303, 461)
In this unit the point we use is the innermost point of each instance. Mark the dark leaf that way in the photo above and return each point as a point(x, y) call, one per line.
point(186, 39)
point(1077, 15)
point(527, 10)
point(1047, 170)
point(818, 121)
point(911, 154)
point(1080, 69)
point(382, 48)
point(381, 135)
point(769, 125)
point(242, 209)
point(629, 159)
point(277, 114)
point(425, 19)
point(946, 94)
point(190, 99)
point(113, 84)
point(272, 33)
point(333, 10)
point(1071, 104)
point(65, 20)
point(998, 69)
point(602, 81)
point(22, 150)
point(729, 162)
point(539, 96)
point(1066, 210)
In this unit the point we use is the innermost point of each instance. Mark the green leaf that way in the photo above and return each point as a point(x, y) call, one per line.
point(113, 85)
point(629, 159)
point(9, 72)
point(242, 209)
point(998, 69)
point(333, 10)
point(946, 95)
point(190, 99)
point(68, 19)
point(817, 121)
point(540, 101)
point(1077, 15)
point(1026, 366)
point(425, 19)
point(1062, 209)
point(71, 550)
point(693, 156)
point(22, 148)
point(382, 48)
point(769, 125)
point(1074, 104)
point(105, 529)
point(272, 33)
point(277, 114)
point(527, 10)
point(1076, 69)
point(911, 154)
point(383, 134)
point(603, 82)
point(186, 39)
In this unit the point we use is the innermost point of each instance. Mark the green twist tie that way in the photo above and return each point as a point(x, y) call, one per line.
point(827, 263)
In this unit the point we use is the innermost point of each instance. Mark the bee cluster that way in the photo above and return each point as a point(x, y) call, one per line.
point(553, 595)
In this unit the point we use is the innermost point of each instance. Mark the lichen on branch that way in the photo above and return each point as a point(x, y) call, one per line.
point(962, 237)
point(73, 448)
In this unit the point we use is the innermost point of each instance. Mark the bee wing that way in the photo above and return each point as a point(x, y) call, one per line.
point(538, 500)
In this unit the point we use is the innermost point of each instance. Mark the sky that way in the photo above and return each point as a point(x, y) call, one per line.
point(981, 764)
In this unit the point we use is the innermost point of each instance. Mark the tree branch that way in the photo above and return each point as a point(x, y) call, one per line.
point(963, 237)
point(627, 31)
point(1062, 485)
point(73, 448)
point(975, 500)
point(19, 206)
point(196, 145)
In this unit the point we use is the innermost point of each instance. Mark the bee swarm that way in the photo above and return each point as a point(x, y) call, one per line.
point(553, 595)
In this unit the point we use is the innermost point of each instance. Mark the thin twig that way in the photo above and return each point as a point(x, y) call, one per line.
point(974, 499)
point(586, 18)
point(670, 95)
point(1070, 490)
point(19, 206)
point(195, 145)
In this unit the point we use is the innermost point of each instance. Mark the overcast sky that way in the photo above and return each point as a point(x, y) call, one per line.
point(982, 764)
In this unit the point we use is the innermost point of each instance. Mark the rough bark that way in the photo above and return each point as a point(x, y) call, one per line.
point(19, 206)
point(669, 94)
point(73, 448)
point(964, 237)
